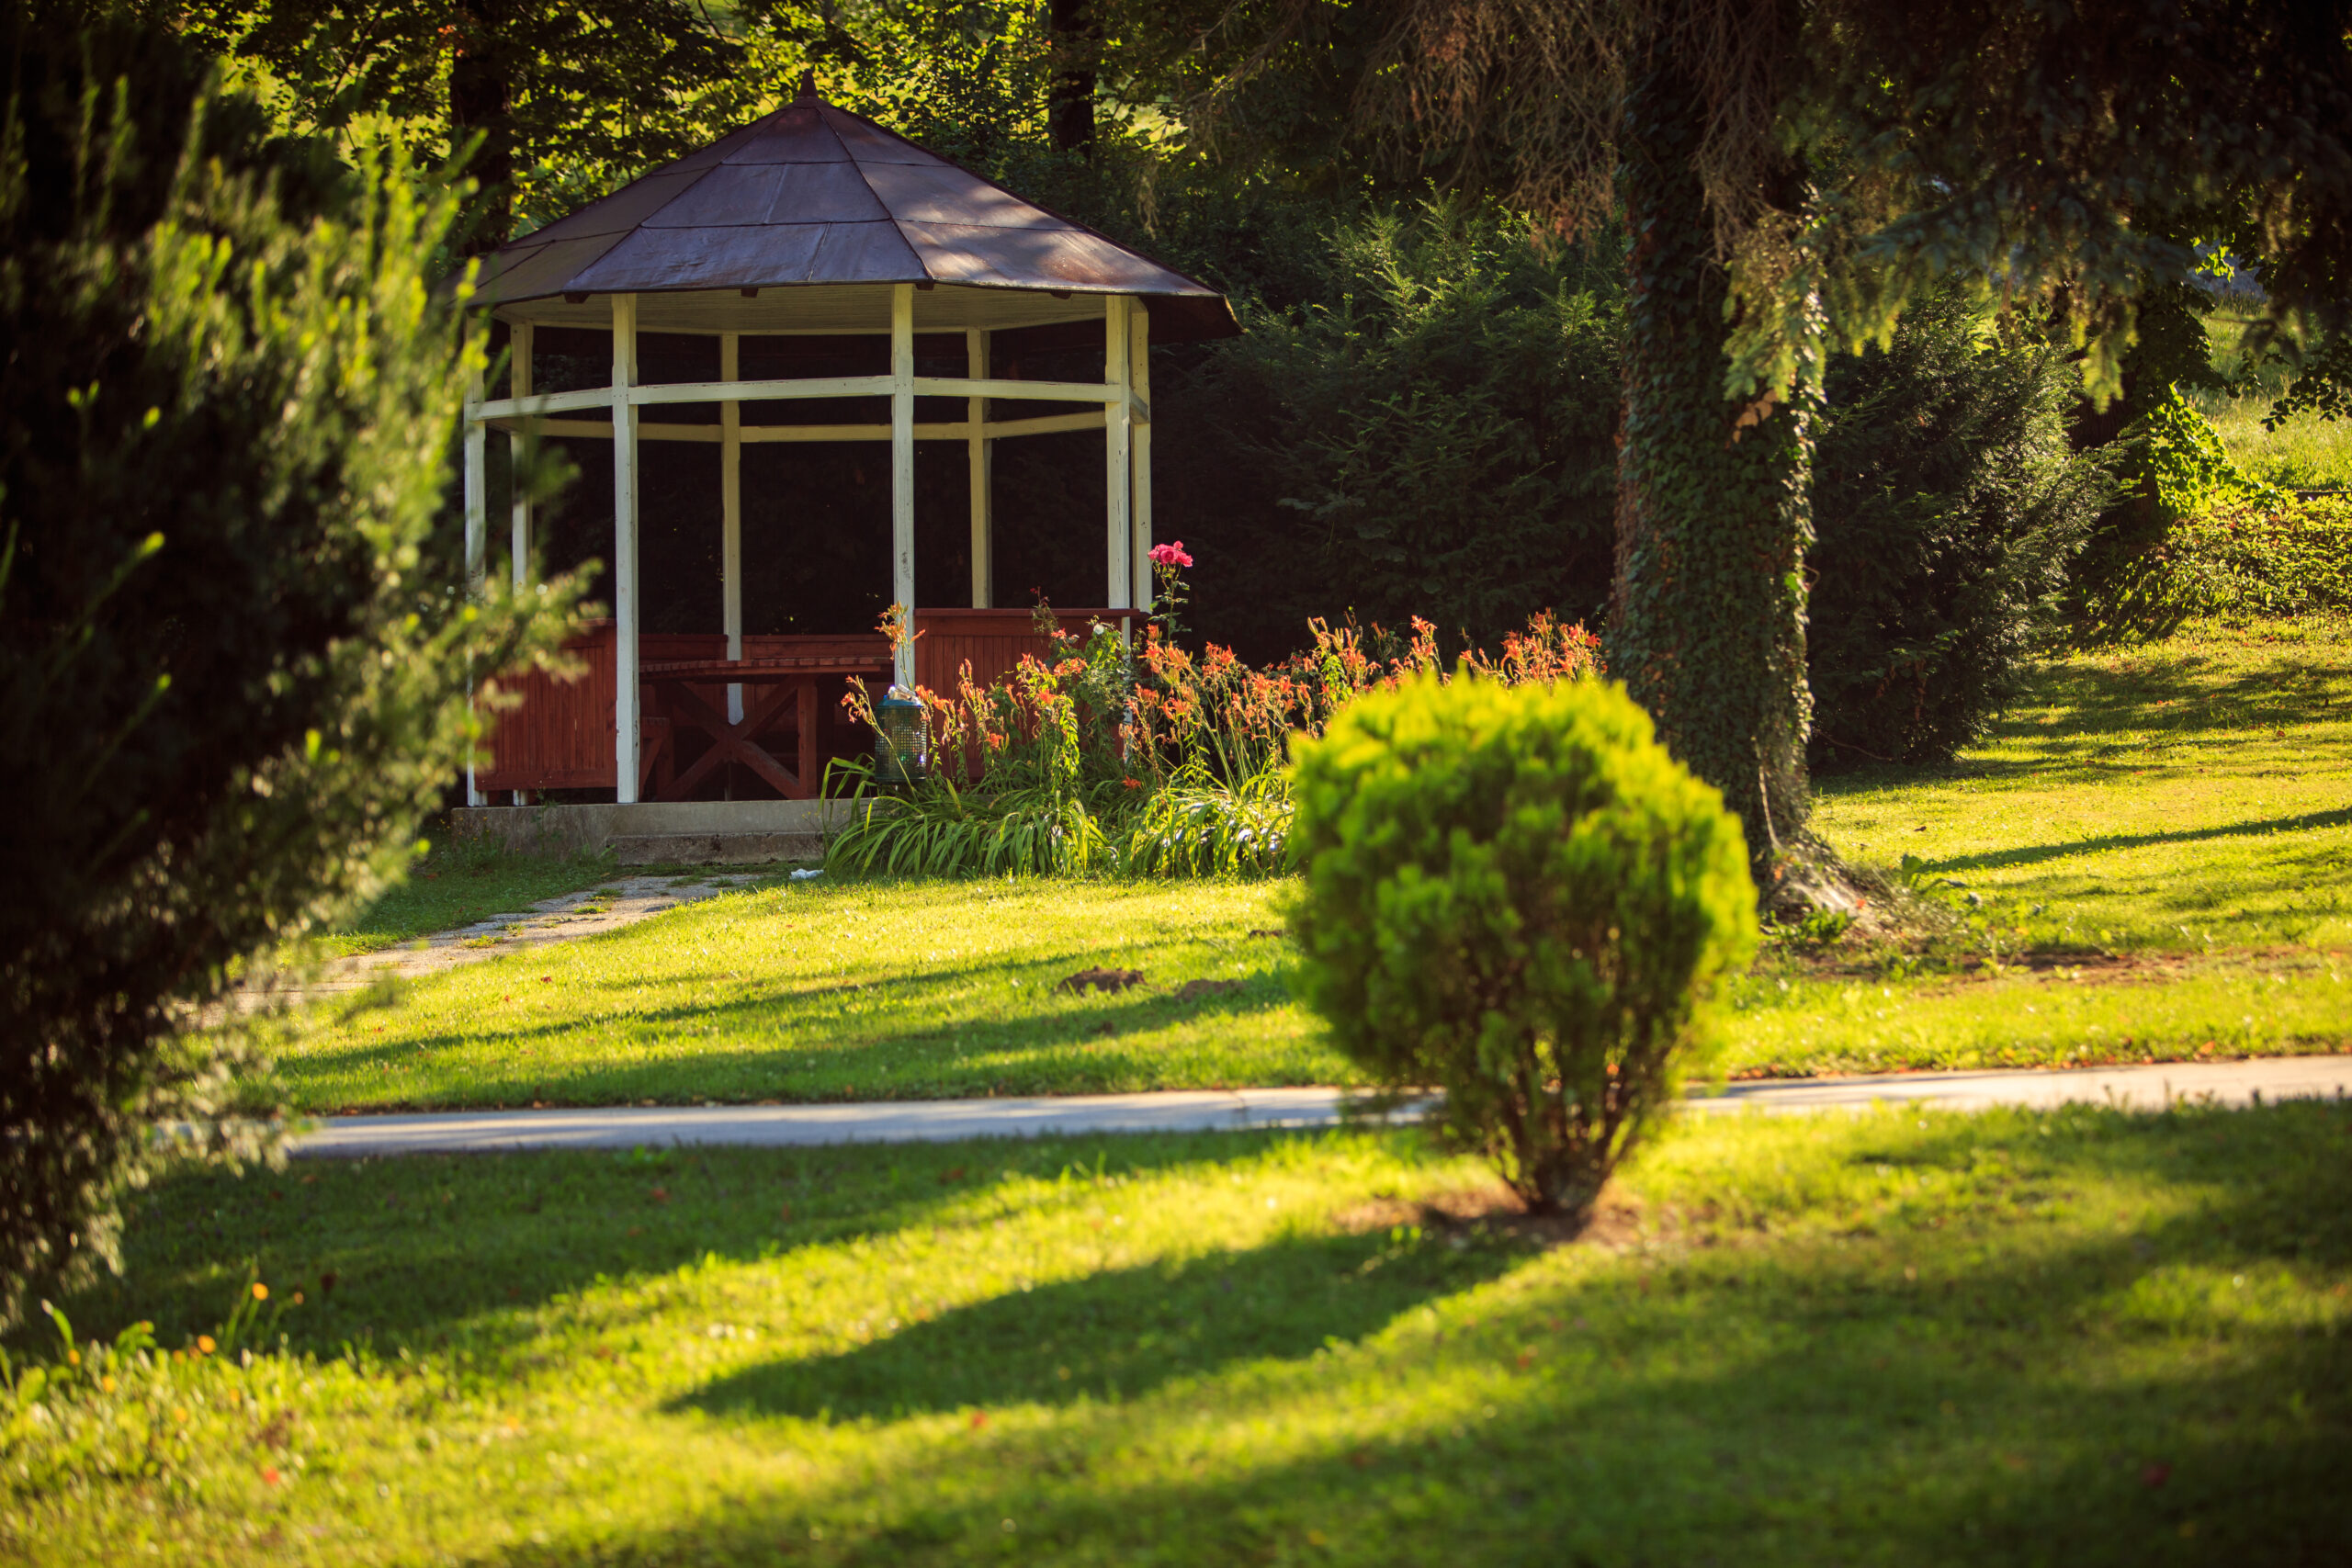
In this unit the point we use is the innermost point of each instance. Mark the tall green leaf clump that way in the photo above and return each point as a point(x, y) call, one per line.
point(1515, 896)
point(1947, 509)
point(234, 639)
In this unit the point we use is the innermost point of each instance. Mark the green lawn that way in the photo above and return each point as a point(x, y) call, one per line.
point(2159, 843)
point(844, 990)
point(2153, 857)
point(2075, 1338)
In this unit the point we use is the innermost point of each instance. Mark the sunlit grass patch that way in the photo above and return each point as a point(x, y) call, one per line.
point(836, 990)
point(2191, 796)
point(2057, 1015)
point(2071, 1337)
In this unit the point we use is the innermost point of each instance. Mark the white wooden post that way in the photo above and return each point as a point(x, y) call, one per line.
point(1139, 447)
point(1117, 424)
point(902, 468)
point(625, 707)
point(731, 515)
point(980, 449)
point(477, 535)
point(519, 344)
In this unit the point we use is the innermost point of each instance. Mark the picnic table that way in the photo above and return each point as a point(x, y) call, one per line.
point(772, 687)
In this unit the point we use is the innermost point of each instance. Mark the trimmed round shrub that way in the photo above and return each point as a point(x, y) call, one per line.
point(1515, 896)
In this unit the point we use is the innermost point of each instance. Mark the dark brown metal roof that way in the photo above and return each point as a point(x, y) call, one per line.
point(814, 194)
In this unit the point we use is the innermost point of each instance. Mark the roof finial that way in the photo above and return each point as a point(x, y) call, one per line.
point(807, 82)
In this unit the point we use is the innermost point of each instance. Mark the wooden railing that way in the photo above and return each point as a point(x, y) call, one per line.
point(560, 736)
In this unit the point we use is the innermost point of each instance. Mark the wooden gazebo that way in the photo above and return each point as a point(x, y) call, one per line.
point(811, 223)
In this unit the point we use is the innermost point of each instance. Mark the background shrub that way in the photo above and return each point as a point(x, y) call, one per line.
point(233, 641)
point(2243, 557)
point(1947, 509)
point(1427, 433)
point(1514, 894)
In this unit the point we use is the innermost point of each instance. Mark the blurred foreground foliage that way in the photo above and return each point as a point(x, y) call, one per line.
point(234, 638)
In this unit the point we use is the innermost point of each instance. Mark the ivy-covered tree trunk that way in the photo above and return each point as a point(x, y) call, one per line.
point(1707, 624)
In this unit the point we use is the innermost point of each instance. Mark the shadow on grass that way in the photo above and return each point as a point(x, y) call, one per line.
point(1798, 1401)
point(2107, 721)
point(918, 1052)
point(2030, 855)
point(1122, 1333)
point(462, 1249)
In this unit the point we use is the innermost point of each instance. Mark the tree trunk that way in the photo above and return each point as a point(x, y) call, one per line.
point(1714, 517)
point(1069, 109)
point(482, 101)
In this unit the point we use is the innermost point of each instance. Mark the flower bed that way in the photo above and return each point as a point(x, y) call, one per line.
point(1146, 760)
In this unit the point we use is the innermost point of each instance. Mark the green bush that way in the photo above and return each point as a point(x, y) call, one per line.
point(234, 631)
point(2175, 457)
point(1514, 895)
point(1430, 436)
point(2239, 560)
point(1947, 511)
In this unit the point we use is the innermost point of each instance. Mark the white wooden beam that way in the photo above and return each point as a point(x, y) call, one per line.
point(902, 468)
point(731, 515)
point(798, 388)
point(1031, 392)
point(1116, 426)
point(978, 453)
point(624, 419)
point(762, 435)
point(519, 384)
point(1139, 450)
point(476, 544)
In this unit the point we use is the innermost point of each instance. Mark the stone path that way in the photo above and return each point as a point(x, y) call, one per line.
point(623, 901)
point(771, 1126)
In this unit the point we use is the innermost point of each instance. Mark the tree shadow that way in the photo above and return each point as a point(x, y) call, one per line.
point(2032, 854)
point(1122, 1333)
point(918, 1058)
point(1802, 1400)
point(435, 1249)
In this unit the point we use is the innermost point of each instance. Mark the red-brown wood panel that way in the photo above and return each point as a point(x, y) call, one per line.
point(560, 735)
point(994, 640)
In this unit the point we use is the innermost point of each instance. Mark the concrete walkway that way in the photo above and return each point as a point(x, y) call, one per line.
point(1187, 1111)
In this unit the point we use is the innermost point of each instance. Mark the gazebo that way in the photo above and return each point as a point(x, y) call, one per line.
point(811, 225)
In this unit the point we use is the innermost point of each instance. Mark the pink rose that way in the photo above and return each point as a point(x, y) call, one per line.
point(1171, 555)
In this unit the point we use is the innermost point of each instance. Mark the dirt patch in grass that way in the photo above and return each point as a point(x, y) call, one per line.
point(1493, 1211)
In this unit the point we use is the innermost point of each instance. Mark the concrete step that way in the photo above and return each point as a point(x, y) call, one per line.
point(714, 848)
point(791, 829)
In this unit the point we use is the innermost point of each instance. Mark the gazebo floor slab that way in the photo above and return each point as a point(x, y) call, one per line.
point(690, 832)
point(714, 848)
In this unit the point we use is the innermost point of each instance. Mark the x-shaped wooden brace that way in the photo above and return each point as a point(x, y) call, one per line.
point(733, 742)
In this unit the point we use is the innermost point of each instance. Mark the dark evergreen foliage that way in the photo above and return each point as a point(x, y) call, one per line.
point(232, 644)
point(1429, 435)
point(1947, 510)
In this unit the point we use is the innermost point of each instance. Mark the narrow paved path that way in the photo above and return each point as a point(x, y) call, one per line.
point(621, 901)
point(1187, 1111)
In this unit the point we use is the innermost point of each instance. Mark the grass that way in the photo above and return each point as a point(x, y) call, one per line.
point(2158, 844)
point(2151, 857)
point(842, 990)
point(2075, 1338)
point(2305, 452)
